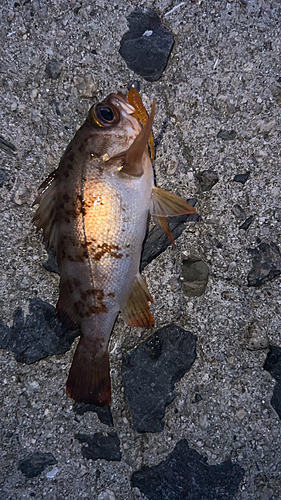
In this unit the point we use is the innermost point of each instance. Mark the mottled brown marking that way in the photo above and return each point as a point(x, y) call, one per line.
point(66, 197)
point(69, 166)
point(99, 294)
point(75, 258)
point(70, 157)
point(100, 309)
point(78, 308)
point(106, 248)
point(76, 282)
point(111, 294)
point(66, 173)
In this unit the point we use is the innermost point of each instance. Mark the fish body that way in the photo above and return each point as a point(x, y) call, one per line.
point(93, 210)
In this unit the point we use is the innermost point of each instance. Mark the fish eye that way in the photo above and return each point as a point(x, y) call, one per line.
point(107, 114)
point(104, 115)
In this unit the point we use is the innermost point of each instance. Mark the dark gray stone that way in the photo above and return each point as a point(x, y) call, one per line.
point(38, 335)
point(266, 263)
point(104, 413)
point(242, 177)
point(185, 475)
point(194, 276)
point(150, 372)
point(4, 177)
point(207, 179)
point(147, 45)
point(53, 69)
point(227, 135)
point(157, 241)
point(8, 147)
point(247, 223)
point(276, 92)
point(33, 464)
point(238, 211)
point(272, 364)
point(100, 446)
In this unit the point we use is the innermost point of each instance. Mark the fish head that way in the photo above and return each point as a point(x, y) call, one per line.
point(113, 124)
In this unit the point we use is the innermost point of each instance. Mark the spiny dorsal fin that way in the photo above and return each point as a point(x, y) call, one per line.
point(136, 310)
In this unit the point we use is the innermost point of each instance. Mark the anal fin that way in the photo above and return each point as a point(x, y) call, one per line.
point(136, 310)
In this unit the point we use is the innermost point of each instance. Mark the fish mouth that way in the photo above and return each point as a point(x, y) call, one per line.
point(121, 102)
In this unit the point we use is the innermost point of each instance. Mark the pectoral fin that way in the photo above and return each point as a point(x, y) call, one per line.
point(136, 310)
point(165, 204)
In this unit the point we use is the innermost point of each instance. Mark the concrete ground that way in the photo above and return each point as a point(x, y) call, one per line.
point(220, 98)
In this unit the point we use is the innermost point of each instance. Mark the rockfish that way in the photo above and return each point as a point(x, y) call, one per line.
point(93, 210)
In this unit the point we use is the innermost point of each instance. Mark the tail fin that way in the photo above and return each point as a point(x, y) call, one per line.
point(89, 379)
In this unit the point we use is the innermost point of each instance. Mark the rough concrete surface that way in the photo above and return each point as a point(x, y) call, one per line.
point(218, 111)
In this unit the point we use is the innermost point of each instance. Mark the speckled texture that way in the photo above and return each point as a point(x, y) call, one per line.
point(224, 74)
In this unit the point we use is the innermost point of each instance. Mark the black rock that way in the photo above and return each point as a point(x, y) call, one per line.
point(266, 263)
point(38, 335)
point(55, 103)
point(8, 147)
point(238, 211)
point(104, 413)
point(53, 69)
point(272, 364)
point(197, 398)
point(150, 372)
point(194, 274)
point(147, 45)
point(227, 135)
point(185, 475)
point(4, 177)
point(32, 465)
point(207, 179)
point(157, 242)
point(100, 445)
point(247, 223)
point(242, 177)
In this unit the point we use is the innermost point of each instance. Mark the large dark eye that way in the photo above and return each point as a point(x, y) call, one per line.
point(107, 114)
point(104, 115)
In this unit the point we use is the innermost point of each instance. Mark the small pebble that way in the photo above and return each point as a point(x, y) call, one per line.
point(242, 177)
point(227, 135)
point(247, 223)
point(53, 69)
point(258, 343)
point(238, 211)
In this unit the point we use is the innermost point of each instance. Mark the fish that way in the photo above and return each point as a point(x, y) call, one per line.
point(93, 210)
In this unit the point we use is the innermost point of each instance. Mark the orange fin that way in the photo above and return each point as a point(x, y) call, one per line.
point(132, 164)
point(89, 377)
point(166, 204)
point(136, 310)
point(165, 226)
point(140, 113)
